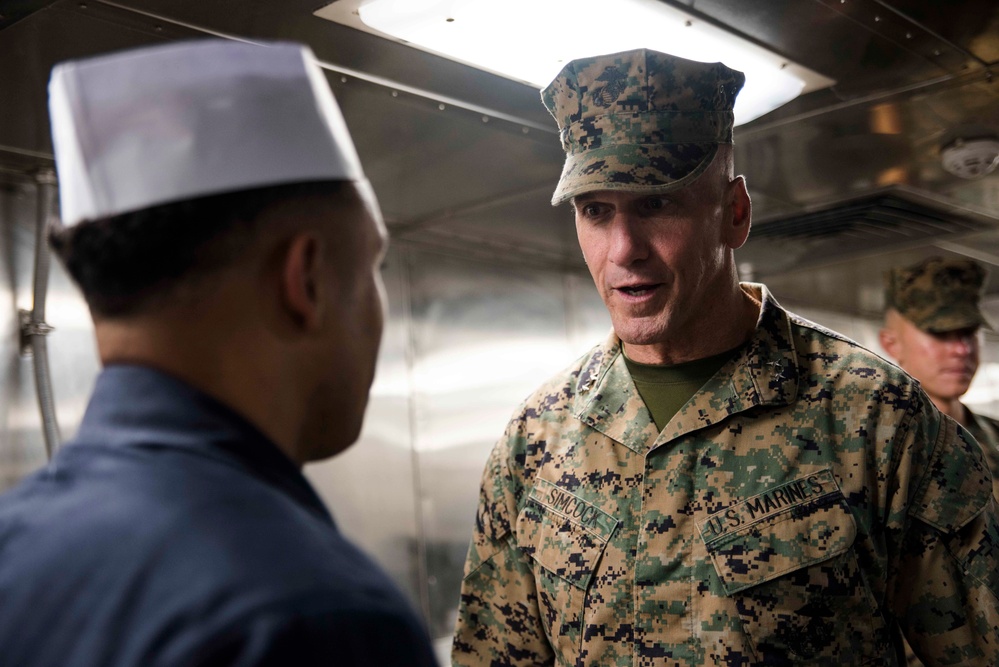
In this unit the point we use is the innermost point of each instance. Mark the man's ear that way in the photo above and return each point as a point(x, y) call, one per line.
point(741, 213)
point(889, 341)
point(302, 287)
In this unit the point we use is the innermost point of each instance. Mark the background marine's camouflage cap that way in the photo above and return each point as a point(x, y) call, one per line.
point(938, 295)
point(641, 120)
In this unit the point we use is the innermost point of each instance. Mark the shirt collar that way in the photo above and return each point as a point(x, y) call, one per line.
point(764, 372)
point(138, 406)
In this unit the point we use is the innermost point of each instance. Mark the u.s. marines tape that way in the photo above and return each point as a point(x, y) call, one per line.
point(793, 525)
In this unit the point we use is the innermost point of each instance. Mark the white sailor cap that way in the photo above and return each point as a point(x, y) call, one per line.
point(161, 124)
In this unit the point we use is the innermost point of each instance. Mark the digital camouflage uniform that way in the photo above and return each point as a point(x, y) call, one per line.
point(986, 432)
point(807, 505)
point(804, 507)
point(939, 295)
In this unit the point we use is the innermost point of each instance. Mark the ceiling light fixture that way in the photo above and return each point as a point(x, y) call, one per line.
point(531, 40)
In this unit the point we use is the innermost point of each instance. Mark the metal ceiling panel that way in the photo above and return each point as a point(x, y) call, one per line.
point(883, 222)
point(35, 44)
point(474, 177)
point(429, 160)
point(866, 44)
point(349, 49)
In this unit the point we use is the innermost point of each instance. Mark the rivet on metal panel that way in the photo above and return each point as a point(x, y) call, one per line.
point(908, 35)
point(525, 130)
point(485, 119)
point(441, 107)
point(343, 79)
point(877, 19)
point(83, 5)
point(395, 93)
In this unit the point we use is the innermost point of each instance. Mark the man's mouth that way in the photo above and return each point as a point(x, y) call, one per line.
point(637, 290)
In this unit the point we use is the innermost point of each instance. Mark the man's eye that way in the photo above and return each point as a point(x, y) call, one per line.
point(655, 203)
point(591, 210)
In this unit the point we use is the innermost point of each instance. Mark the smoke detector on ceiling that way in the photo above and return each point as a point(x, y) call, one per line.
point(971, 157)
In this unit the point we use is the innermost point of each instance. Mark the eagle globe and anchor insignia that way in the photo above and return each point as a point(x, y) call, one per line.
point(615, 80)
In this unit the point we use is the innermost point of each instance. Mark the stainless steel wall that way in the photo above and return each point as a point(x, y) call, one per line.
point(72, 354)
point(466, 342)
point(20, 434)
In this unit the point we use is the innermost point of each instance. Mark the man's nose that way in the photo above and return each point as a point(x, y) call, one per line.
point(963, 344)
point(628, 241)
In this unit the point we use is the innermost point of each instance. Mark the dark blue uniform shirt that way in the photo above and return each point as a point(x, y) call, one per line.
point(172, 532)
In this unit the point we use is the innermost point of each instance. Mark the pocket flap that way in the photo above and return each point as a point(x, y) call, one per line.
point(788, 527)
point(564, 533)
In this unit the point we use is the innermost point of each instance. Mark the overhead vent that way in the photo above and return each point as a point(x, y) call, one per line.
point(885, 221)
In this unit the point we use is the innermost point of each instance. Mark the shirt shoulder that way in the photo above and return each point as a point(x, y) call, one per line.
point(825, 347)
point(561, 390)
point(990, 421)
point(174, 539)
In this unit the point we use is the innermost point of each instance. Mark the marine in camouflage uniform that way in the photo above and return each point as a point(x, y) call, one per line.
point(932, 324)
point(807, 505)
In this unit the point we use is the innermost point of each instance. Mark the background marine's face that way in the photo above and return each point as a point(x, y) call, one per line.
point(944, 363)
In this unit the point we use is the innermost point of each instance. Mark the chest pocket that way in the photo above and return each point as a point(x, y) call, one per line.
point(566, 536)
point(785, 559)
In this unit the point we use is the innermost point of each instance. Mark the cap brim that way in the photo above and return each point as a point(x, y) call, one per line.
point(652, 169)
point(954, 319)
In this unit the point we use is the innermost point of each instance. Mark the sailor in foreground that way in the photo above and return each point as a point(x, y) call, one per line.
point(216, 219)
point(720, 482)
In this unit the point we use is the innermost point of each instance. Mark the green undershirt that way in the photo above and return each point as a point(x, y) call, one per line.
point(665, 389)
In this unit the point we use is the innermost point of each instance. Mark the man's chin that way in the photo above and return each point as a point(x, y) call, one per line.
point(953, 391)
point(637, 332)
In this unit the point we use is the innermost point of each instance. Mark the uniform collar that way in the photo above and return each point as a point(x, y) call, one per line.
point(763, 372)
point(138, 406)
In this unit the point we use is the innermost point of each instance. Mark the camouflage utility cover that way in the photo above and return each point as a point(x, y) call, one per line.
point(938, 295)
point(641, 121)
point(804, 507)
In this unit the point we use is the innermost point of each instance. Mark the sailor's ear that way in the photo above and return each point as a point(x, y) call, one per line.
point(302, 262)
